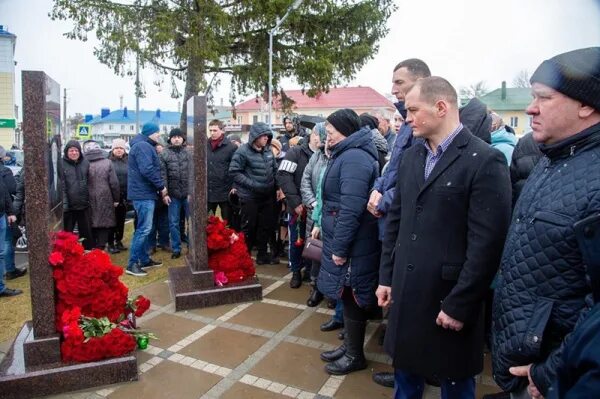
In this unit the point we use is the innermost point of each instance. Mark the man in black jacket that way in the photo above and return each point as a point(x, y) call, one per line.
point(542, 287)
point(442, 245)
point(175, 164)
point(253, 170)
point(289, 179)
point(219, 151)
point(76, 198)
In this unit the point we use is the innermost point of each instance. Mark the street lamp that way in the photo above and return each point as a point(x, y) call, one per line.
point(291, 8)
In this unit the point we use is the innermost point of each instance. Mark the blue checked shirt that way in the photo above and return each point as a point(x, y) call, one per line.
point(432, 159)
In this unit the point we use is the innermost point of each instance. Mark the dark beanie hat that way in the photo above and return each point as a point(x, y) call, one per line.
point(575, 74)
point(345, 121)
point(149, 128)
point(368, 120)
point(176, 132)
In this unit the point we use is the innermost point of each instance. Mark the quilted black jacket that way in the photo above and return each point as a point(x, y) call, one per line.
point(542, 288)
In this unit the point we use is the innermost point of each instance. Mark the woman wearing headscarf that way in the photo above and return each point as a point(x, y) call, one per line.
point(103, 187)
point(350, 259)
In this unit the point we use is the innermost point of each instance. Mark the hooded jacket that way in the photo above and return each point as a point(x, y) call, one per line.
point(253, 171)
point(505, 142)
point(144, 180)
point(75, 177)
point(348, 229)
point(474, 116)
point(525, 156)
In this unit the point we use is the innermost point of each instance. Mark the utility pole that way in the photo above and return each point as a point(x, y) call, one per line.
point(272, 32)
point(137, 93)
point(64, 133)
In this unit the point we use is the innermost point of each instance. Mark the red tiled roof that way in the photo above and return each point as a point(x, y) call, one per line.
point(341, 97)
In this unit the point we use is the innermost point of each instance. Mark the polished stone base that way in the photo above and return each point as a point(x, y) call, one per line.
point(197, 290)
point(19, 379)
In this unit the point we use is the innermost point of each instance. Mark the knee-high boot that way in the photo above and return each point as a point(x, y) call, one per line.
point(354, 356)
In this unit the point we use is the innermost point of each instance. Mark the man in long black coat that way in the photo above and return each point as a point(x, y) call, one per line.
point(442, 246)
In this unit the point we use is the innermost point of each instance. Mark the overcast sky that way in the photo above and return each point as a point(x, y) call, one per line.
point(464, 41)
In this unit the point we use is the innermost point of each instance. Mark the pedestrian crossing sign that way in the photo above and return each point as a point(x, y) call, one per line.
point(84, 130)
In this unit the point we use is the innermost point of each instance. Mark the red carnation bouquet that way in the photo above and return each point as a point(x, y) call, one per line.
point(93, 313)
point(228, 255)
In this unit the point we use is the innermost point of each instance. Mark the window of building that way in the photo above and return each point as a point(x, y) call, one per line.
point(254, 118)
point(122, 127)
point(514, 121)
point(131, 127)
point(110, 127)
point(239, 119)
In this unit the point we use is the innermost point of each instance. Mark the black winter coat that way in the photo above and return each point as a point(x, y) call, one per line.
point(253, 171)
point(217, 162)
point(120, 167)
point(441, 250)
point(19, 199)
point(289, 175)
point(75, 181)
point(348, 229)
point(474, 116)
point(524, 158)
point(542, 287)
point(175, 166)
point(9, 180)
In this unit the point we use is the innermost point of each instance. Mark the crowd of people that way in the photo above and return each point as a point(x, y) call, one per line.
point(435, 218)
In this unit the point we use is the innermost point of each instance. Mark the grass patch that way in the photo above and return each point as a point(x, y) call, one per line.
point(15, 311)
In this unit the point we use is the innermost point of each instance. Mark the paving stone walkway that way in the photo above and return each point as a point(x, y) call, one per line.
point(267, 349)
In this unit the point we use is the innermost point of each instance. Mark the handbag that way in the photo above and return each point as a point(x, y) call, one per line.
point(313, 249)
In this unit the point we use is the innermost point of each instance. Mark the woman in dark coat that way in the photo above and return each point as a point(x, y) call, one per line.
point(103, 188)
point(350, 260)
point(118, 157)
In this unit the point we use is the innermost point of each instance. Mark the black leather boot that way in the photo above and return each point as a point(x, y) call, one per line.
point(315, 297)
point(332, 356)
point(384, 379)
point(354, 358)
point(296, 280)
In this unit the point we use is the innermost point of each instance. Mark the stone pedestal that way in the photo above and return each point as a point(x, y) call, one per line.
point(33, 365)
point(193, 284)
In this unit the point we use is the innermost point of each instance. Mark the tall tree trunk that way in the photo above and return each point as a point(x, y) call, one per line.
point(192, 83)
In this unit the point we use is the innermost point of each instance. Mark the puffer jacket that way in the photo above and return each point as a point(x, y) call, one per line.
point(75, 180)
point(217, 162)
point(144, 180)
point(175, 165)
point(382, 147)
point(542, 287)
point(104, 190)
point(348, 229)
point(253, 171)
point(311, 178)
point(524, 158)
point(289, 174)
point(505, 142)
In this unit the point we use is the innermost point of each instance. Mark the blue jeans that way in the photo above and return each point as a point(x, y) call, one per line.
point(339, 311)
point(3, 225)
point(174, 219)
point(411, 386)
point(160, 225)
point(296, 228)
point(138, 252)
point(9, 251)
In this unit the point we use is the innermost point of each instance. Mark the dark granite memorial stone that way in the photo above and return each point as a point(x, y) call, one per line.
point(193, 285)
point(32, 366)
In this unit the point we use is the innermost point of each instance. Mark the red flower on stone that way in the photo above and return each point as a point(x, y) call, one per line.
point(56, 258)
point(142, 304)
